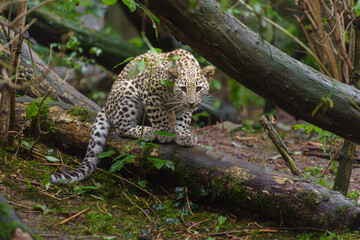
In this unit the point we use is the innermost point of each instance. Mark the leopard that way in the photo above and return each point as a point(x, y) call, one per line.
point(155, 85)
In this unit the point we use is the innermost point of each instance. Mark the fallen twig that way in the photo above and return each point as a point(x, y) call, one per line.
point(74, 216)
point(198, 223)
point(188, 202)
point(142, 210)
point(280, 145)
point(19, 205)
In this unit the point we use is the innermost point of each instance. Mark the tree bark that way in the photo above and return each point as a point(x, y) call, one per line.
point(261, 67)
point(11, 226)
point(235, 183)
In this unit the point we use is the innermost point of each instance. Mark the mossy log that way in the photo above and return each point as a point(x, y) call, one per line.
point(235, 183)
point(11, 226)
point(242, 54)
point(61, 91)
point(49, 28)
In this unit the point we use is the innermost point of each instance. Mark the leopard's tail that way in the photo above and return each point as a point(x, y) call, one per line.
point(97, 143)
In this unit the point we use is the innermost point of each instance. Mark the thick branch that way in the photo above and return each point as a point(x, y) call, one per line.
point(61, 91)
point(239, 52)
point(235, 183)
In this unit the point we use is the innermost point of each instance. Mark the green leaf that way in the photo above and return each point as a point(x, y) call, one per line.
point(175, 57)
point(52, 159)
point(116, 166)
point(120, 164)
point(357, 8)
point(26, 144)
point(221, 220)
point(46, 181)
point(170, 165)
point(133, 71)
point(167, 82)
point(180, 193)
point(131, 4)
point(309, 128)
point(142, 183)
point(158, 163)
point(28, 182)
point(141, 64)
point(97, 197)
point(164, 133)
point(174, 221)
point(322, 182)
point(299, 126)
point(106, 154)
point(95, 51)
point(42, 208)
point(125, 61)
point(31, 110)
point(208, 147)
point(158, 206)
point(202, 192)
point(109, 2)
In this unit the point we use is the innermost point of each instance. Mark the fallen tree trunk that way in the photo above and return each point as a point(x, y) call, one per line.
point(61, 91)
point(11, 226)
point(236, 183)
point(261, 67)
point(49, 28)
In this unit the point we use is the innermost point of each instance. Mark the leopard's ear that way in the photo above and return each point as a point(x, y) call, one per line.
point(208, 72)
point(172, 75)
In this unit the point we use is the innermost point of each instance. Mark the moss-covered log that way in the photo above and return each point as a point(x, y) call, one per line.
point(11, 226)
point(49, 28)
point(241, 53)
point(235, 183)
point(61, 91)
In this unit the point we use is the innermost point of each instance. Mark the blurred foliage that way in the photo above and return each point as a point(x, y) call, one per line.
point(242, 97)
point(279, 11)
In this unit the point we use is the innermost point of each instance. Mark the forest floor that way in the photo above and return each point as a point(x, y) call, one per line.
point(112, 208)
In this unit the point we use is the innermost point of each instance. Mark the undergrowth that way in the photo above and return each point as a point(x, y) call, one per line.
point(114, 209)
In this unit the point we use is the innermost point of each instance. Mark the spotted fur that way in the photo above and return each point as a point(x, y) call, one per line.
point(131, 97)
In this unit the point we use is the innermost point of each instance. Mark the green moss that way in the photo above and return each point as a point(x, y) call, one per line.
point(217, 185)
point(45, 125)
point(310, 199)
point(84, 114)
point(325, 197)
point(8, 224)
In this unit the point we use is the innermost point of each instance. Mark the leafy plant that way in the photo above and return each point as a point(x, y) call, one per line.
point(32, 111)
point(325, 136)
point(221, 220)
point(78, 189)
point(353, 194)
point(125, 158)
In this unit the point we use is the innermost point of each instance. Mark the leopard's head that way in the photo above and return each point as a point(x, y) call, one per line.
point(190, 85)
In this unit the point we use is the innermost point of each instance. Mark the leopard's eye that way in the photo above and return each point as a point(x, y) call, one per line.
point(198, 88)
point(183, 89)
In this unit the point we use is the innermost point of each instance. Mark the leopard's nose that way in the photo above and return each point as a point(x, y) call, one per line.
point(191, 104)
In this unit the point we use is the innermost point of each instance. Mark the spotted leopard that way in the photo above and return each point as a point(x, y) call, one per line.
point(153, 84)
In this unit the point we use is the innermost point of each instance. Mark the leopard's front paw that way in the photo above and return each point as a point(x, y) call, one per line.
point(186, 140)
point(165, 139)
